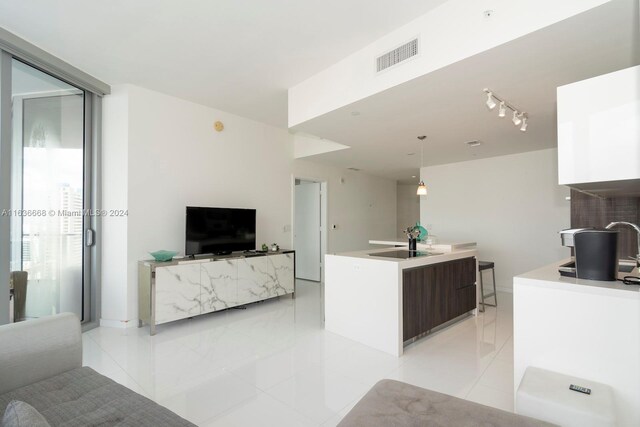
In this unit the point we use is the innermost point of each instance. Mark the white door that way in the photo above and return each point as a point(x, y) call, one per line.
point(307, 230)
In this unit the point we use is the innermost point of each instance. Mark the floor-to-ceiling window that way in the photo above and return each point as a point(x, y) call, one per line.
point(49, 132)
point(47, 193)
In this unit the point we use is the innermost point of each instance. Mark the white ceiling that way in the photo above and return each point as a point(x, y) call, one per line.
point(449, 105)
point(238, 56)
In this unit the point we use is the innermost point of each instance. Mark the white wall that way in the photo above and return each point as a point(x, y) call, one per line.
point(115, 140)
point(162, 153)
point(407, 207)
point(512, 206)
point(361, 206)
point(455, 30)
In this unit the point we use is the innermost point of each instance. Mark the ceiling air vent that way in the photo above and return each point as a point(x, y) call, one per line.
point(397, 55)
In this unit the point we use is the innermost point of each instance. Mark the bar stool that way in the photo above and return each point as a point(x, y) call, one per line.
point(486, 265)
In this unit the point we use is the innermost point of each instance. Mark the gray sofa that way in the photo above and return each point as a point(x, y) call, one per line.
point(41, 364)
point(394, 403)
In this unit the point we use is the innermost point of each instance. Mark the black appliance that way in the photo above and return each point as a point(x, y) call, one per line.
point(219, 230)
point(596, 254)
point(402, 254)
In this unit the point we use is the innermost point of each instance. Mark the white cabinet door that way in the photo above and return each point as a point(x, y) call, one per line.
point(280, 271)
point(177, 292)
point(253, 280)
point(219, 285)
point(599, 129)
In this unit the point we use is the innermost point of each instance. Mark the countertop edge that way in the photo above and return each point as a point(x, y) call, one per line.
point(549, 277)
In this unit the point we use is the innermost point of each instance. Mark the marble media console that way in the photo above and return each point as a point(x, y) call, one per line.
point(179, 289)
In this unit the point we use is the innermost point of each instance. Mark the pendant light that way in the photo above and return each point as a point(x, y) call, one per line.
point(422, 189)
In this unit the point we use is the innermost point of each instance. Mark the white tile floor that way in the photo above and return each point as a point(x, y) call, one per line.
point(273, 364)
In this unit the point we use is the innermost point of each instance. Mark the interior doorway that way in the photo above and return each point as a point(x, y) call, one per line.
point(309, 234)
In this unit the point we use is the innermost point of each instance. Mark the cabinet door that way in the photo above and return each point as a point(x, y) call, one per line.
point(434, 294)
point(461, 277)
point(281, 276)
point(253, 279)
point(177, 292)
point(418, 301)
point(219, 285)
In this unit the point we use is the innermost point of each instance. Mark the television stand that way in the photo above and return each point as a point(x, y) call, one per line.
point(180, 289)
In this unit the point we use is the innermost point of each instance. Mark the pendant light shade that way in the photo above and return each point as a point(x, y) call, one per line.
point(422, 189)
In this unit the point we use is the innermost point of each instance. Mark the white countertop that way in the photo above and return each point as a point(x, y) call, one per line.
point(437, 247)
point(369, 254)
point(548, 276)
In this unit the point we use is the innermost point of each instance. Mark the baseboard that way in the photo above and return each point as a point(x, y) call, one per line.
point(120, 324)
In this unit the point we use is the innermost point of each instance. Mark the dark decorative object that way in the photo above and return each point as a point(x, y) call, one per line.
point(412, 234)
point(413, 244)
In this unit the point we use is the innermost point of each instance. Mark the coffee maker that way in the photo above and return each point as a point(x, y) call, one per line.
point(596, 254)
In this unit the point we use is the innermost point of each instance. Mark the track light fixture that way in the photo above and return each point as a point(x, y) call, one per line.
point(519, 117)
point(516, 120)
point(502, 111)
point(491, 104)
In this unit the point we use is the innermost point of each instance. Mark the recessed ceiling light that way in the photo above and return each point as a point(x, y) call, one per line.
point(474, 143)
point(413, 176)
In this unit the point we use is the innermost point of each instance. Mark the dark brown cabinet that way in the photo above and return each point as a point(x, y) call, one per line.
point(437, 293)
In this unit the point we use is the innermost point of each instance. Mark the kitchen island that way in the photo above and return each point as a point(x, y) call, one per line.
point(436, 247)
point(383, 298)
point(584, 328)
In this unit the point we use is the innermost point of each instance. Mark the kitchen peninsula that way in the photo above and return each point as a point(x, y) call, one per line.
point(385, 297)
point(584, 328)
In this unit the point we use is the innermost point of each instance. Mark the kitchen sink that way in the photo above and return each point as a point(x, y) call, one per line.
point(626, 267)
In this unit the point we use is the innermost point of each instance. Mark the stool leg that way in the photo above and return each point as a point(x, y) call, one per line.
point(481, 292)
point(495, 293)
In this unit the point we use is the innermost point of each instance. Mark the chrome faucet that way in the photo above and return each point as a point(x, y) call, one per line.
point(635, 227)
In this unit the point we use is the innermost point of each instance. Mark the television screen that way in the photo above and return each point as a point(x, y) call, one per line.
point(219, 230)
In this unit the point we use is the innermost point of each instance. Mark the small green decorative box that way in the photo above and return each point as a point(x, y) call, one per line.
point(163, 256)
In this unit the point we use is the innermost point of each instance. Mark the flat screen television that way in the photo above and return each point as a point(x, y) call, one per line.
point(219, 230)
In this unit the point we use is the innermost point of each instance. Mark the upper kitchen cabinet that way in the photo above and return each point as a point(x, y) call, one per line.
point(599, 134)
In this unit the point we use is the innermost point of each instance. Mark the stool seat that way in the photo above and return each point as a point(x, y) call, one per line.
point(485, 265)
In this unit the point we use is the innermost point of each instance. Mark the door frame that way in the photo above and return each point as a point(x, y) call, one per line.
point(92, 111)
point(324, 205)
